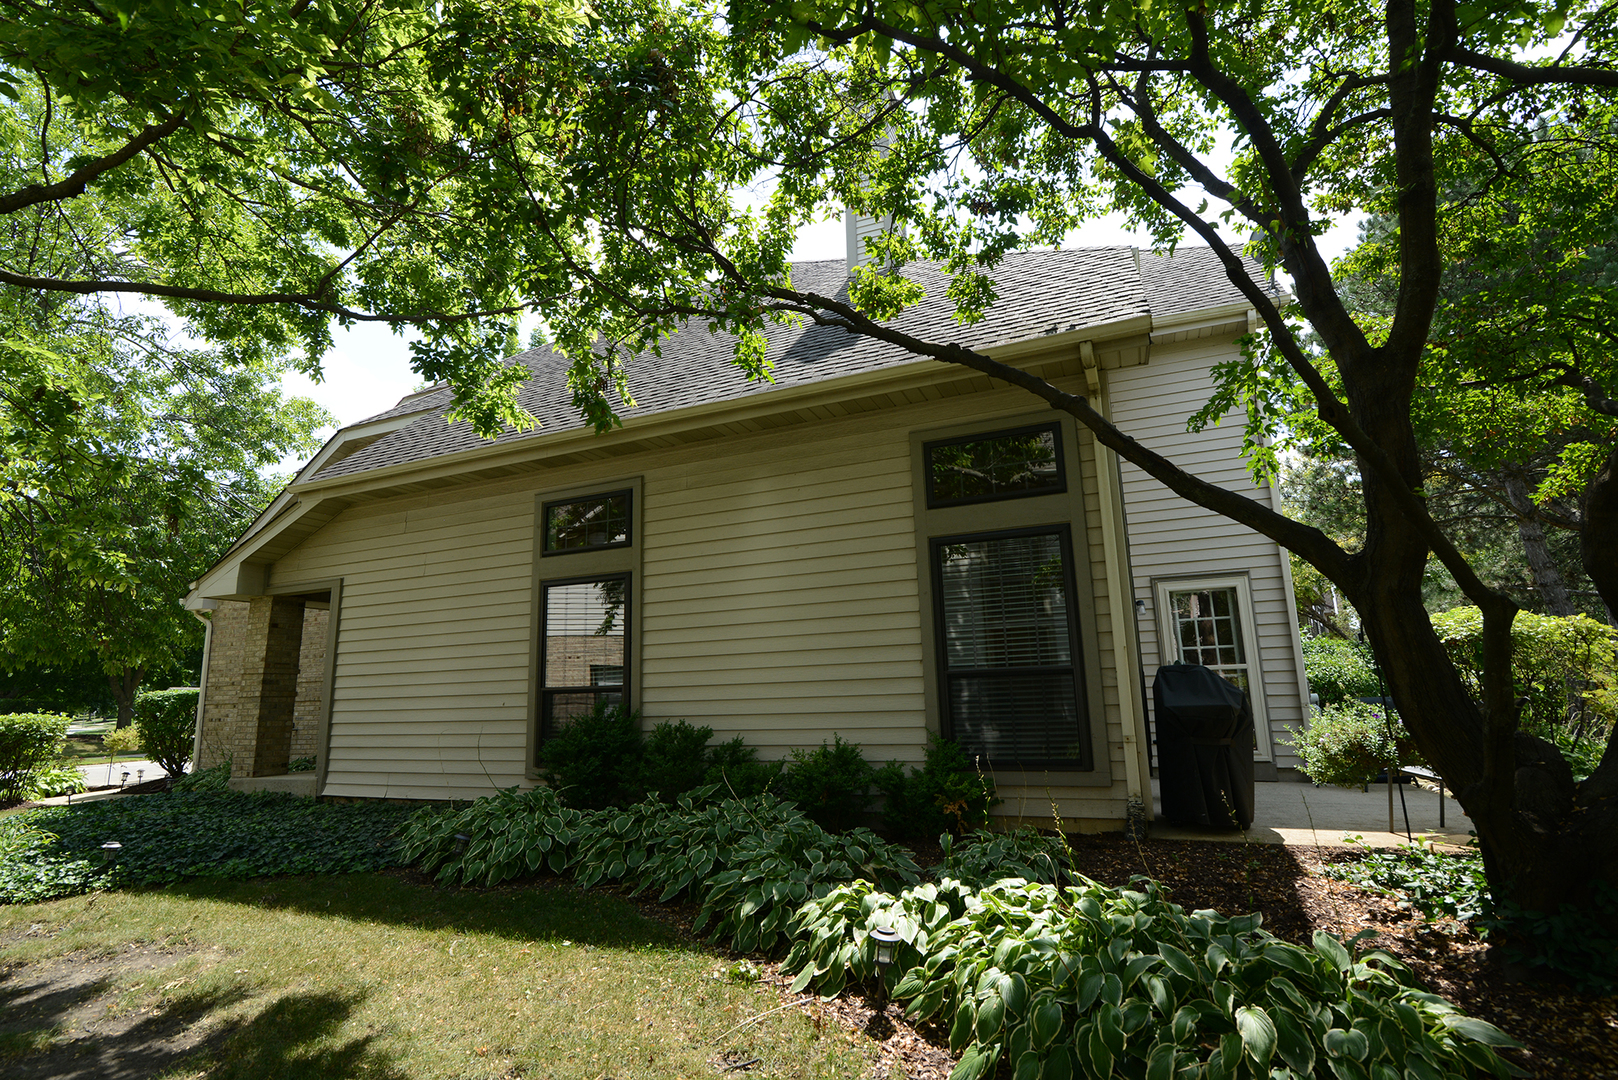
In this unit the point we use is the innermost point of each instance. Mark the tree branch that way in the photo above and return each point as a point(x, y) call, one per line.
point(1531, 74)
point(300, 300)
point(75, 185)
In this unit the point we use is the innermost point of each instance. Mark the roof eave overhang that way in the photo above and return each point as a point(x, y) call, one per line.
point(243, 572)
point(1031, 352)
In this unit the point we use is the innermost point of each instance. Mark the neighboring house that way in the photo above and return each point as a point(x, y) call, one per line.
point(872, 545)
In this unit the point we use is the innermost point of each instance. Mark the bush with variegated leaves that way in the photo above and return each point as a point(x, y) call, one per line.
point(1096, 981)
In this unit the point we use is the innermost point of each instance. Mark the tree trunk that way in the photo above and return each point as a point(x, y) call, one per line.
point(1598, 536)
point(124, 688)
point(1549, 585)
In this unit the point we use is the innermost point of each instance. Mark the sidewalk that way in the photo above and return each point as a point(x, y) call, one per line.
point(1287, 812)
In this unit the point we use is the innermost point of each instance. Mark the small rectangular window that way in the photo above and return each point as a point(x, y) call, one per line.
point(582, 655)
point(587, 524)
point(997, 465)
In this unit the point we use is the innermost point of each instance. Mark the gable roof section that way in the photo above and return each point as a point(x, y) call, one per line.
point(1039, 293)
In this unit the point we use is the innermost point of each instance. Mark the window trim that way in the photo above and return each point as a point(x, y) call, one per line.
point(583, 564)
point(626, 688)
point(1168, 643)
point(1060, 488)
point(1063, 531)
point(546, 552)
point(998, 515)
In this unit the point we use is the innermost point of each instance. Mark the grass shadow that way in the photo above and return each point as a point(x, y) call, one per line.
point(283, 1041)
point(544, 911)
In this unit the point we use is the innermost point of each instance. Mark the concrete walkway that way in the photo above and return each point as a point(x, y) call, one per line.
point(1288, 812)
point(104, 775)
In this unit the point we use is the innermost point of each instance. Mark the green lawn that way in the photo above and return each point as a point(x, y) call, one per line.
point(365, 975)
point(87, 750)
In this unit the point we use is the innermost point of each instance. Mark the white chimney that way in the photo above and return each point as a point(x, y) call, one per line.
point(858, 227)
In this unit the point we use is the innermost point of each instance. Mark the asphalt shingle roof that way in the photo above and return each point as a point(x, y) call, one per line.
point(1038, 293)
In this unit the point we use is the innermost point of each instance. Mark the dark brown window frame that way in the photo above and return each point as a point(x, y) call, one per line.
point(546, 551)
point(1074, 667)
point(1059, 488)
point(543, 727)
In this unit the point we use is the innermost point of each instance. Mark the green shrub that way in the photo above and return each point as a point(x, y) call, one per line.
point(508, 834)
point(1096, 981)
point(1340, 670)
point(747, 862)
point(945, 795)
point(1579, 943)
point(831, 783)
point(1435, 883)
point(177, 835)
point(301, 764)
point(734, 768)
point(50, 781)
point(594, 761)
point(28, 743)
point(1562, 667)
point(124, 740)
point(984, 858)
point(166, 724)
point(214, 778)
point(1350, 743)
point(674, 760)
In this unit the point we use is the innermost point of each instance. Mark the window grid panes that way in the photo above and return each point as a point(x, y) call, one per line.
point(587, 524)
point(582, 656)
point(1208, 631)
point(1008, 643)
point(1000, 465)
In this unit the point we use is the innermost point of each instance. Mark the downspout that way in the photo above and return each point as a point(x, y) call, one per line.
point(202, 684)
point(1120, 601)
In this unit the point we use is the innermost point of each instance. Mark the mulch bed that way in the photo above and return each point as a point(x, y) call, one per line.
point(1566, 1034)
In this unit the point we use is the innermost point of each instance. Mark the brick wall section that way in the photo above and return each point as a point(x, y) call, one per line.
point(253, 683)
point(277, 621)
point(311, 684)
point(226, 695)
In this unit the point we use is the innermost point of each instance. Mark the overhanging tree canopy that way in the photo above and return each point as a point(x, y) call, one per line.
point(434, 164)
point(984, 129)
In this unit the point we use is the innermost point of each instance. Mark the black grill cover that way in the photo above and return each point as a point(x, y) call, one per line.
point(1204, 747)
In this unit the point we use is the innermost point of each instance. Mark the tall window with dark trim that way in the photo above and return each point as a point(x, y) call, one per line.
point(1008, 648)
point(582, 654)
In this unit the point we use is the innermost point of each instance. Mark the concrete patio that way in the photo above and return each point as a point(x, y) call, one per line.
point(1289, 812)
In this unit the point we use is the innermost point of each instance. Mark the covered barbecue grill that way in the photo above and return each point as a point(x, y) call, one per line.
point(1204, 747)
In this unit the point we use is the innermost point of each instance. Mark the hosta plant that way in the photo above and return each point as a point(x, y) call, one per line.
point(1095, 981)
point(508, 834)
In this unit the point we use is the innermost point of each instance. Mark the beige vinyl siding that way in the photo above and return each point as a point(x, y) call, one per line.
point(430, 684)
point(1171, 537)
point(778, 602)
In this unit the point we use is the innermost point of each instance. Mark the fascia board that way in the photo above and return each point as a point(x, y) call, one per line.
point(340, 438)
point(238, 574)
point(898, 377)
point(1018, 352)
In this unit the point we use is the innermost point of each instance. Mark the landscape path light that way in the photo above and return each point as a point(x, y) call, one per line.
point(110, 852)
point(461, 840)
point(886, 937)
